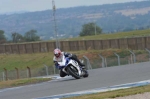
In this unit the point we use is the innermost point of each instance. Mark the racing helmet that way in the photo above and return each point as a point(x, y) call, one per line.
point(57, 52)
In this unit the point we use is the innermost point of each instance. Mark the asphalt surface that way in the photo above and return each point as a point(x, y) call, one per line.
point(98, 78)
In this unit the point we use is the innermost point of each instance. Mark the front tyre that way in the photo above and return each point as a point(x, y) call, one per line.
point(73, 72)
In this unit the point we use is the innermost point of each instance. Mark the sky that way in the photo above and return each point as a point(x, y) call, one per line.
point(7, 6)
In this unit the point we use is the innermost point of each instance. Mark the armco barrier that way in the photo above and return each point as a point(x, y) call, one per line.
point(138, 43)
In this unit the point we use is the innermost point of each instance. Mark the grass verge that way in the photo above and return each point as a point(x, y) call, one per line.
point(21, 82)
point(114, 94)
point(130, 34)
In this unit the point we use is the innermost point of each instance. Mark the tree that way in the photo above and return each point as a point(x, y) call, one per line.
point(31, 36)
point(2, 37)
point(90, 29)
point(16, 37)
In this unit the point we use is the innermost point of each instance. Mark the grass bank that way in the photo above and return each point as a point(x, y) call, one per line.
point(114, 94)
point(21, 61)
point(130, 34)
point(21, 82)
point(36, 60)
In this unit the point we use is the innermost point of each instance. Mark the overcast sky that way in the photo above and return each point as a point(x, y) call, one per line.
point(39, 5)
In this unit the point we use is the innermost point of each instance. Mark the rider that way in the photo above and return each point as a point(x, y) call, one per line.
point(58, 55)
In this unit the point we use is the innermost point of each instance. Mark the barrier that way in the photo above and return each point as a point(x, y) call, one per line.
point(139, 43)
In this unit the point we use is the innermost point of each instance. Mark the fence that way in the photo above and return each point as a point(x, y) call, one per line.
point(116, 60)
point(28, 73)
point(102, 62)
point(138, 43)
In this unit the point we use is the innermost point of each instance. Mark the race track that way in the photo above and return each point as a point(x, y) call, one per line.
point(98, 78)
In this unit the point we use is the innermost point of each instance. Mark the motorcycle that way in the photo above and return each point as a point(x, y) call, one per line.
point(71, 67)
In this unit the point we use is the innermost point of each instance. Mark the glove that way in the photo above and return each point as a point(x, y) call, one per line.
point(56, 65)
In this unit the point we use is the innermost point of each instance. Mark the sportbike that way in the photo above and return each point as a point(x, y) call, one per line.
point(71, 67)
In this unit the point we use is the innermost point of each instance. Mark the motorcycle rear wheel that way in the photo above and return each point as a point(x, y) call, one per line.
point(86, 73)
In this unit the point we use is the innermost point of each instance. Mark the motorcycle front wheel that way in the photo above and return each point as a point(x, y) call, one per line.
point(73, 72)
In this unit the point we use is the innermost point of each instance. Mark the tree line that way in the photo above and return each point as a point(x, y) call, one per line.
point(31, 36)
point(70, 20)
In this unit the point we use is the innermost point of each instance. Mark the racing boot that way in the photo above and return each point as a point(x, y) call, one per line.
point(82, 65)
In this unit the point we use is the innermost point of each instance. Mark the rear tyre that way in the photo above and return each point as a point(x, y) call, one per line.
point(86, 73)
point(73, 72)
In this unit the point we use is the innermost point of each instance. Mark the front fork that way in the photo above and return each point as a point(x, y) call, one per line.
point(65, 70)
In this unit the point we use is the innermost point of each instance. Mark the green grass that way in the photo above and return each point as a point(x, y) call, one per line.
point(21, 82)
point(114, 94)
point(135, 33)
point(37, 60)
point(21, 61)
